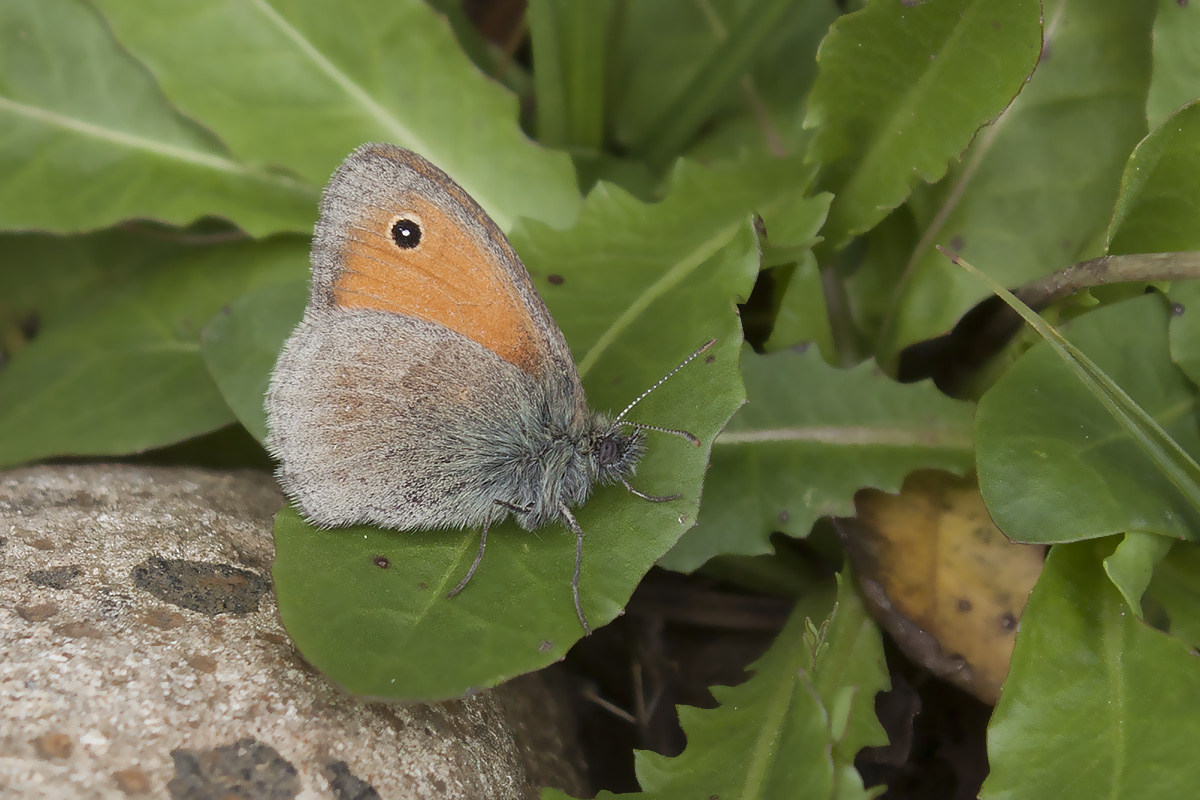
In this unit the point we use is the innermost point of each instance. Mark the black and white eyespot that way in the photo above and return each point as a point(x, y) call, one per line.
point(406, 231)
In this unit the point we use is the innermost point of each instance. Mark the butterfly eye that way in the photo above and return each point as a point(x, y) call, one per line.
point(609, 451)
point(406, 233)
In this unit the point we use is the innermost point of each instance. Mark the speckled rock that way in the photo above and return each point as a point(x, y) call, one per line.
point(141, 656)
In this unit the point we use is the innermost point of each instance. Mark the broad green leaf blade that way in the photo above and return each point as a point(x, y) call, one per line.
point(287, 82)
point(392, 632)
point(1036, 187)
point(653, 247)
point(570, 44)
point(726, 64)
point(810, 437)
point(1056, 465)
point(1176, 60)
point(1158, 210)
point(1131, 566)
point(89, 139)
point(243, 340)
point(1097, 704)
point(662, 46)
point(127, 376)
point(902, 89)
point(57, 279)
point(793, 728)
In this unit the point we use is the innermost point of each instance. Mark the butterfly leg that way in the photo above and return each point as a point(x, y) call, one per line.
point(569, 518)
point(652, 498)
point(482, 543)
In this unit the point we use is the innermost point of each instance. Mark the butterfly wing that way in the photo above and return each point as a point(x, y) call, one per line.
point(461, 272)
point(389, 419)
point(427, 374)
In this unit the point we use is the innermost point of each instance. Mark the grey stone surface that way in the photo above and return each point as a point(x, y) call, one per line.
point(141, 656)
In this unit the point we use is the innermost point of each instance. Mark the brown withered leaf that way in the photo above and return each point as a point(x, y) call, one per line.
point(941, 578)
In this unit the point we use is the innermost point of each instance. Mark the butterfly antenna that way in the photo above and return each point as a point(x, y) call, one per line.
point(682, 434)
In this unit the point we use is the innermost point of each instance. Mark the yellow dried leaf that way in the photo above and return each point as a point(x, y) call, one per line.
point(941, 577)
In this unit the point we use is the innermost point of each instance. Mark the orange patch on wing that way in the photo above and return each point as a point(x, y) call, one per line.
point(449, 279)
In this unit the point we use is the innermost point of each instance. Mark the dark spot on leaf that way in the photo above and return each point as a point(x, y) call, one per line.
point(31, 326)
point(709, 359)
point(346, 785)
point(381, 562)
point(422, 586)
point(964, 605)
point(56, 577)
point(957, 243)
point(201, 586)
point(1008, 622)
point(246, 768)
point(1177, 309)
point(555, 280)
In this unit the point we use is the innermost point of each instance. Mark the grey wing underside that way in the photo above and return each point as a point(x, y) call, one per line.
point(390, 420)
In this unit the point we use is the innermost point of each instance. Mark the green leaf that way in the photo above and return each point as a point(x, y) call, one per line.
point(285, 82)
point(1176, 589)
point(1056, 465)
point(655, 246)
point(810, 437)
point(89, 139)
point(127, 375)
point(56, 279)
point(241, 344)
point(1176, 60)
point(902, 89)
point(662, 48)
point(1131, 565)
point(727, 63)
point(1158, 210)
point(570, 43)
point(1097, 704)
point(793, 728)
point(1036, 187)
point(791, 233)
